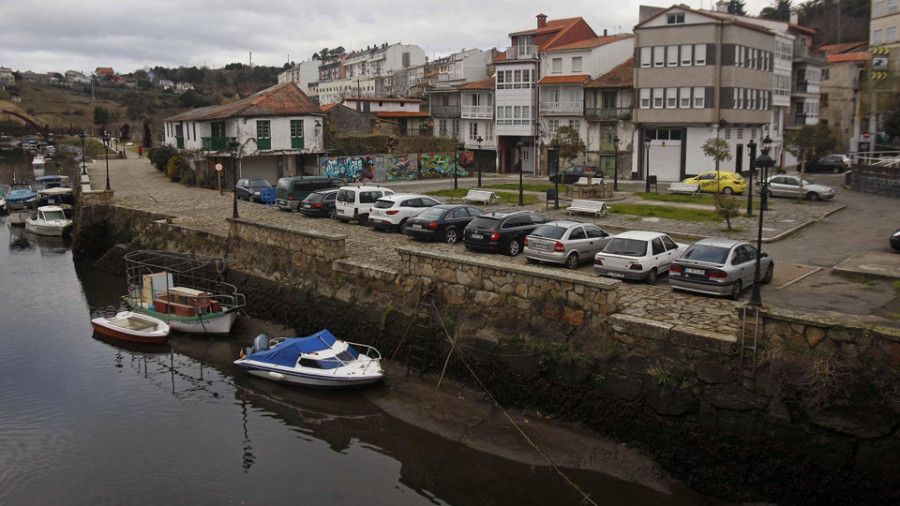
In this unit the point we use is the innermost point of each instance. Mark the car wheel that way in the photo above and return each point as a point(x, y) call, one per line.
point(572, 261)
point(403, 226)
point(513, 248)
point(332, 213)
point(736, 290)
point(363, 219)
point(727, 190)
point(836, 170)
point(651, 277)
point(769, 193)
point(770, 271)
point(812, 196)
point(450, 236)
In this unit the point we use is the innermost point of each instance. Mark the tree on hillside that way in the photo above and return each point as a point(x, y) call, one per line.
point(779, 10)
point(737, 7)
point(101, 117)
point(807, 143)
point(569, 142)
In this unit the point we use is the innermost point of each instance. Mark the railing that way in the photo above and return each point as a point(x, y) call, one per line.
point(215, 143)
point(445, 111)
point(478, 111)
point(609, 113)
point(575, 107)
point(525, 52)
point(889, 159)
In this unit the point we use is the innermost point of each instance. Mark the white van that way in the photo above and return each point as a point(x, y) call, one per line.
point(354, 202)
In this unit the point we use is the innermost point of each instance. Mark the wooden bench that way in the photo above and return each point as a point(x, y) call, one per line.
point(595, 207)
point(485, 197)
point(684, 188)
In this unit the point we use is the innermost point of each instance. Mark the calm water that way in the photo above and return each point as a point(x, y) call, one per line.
point(86, 421)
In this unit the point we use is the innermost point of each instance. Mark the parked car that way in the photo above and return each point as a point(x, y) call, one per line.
point(637, 255)
point(829, 163)
point(565, 242)
point(895, 240)
point(392, 211)
point(719, 267)
point(789, 186)
point(501, 231)
point(250, 188)
point(444, 222)
point(355, 202)
point(319, 203)
point(728, 182)
point(572, 174)
point(290, 191)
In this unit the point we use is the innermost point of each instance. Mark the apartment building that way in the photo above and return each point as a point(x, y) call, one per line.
point(882, 84)
point(698, 75)
point(465, 113)
point(841, 91)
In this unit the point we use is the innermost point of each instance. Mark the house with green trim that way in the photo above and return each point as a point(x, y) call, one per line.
point(277, 132)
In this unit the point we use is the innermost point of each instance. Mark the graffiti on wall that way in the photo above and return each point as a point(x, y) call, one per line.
point(441, 165)
point(401, 168)
point(350, 169)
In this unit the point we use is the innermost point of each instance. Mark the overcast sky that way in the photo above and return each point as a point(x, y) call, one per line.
point(61, 35)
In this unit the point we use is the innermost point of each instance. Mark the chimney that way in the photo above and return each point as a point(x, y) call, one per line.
point(542, 20)
point(722, 6)
point(795, 18)
point(604, 32)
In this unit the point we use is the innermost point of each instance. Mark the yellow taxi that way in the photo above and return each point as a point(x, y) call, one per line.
point(728, 183)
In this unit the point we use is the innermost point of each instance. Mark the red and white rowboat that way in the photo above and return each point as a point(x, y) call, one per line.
point(134, 327)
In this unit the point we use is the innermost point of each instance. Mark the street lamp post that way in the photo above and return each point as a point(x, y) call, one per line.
point(764, 175)
point(106, 143)
point(751, 146)
point(519, 146)
point(456, 170)
point(616, 164)
point(83, 165)
point(479, 140)
point(763, 162)
point(647, 165)
point(233, 145)
point(557, 176)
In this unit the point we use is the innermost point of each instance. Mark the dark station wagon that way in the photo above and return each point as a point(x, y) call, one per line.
point(501, 231)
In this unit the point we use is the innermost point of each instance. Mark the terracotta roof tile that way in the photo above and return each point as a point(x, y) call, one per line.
point(592, 43)
point(576, 79)
point(283, 99)
point(402, 114)
point(484, 84)
point(846, 47)
point(845, 57)
point(619, 77)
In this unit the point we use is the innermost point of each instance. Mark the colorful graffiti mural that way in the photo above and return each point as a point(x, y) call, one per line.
point(441, 165)
point(406, 167)
point(350, 169)
point(401, 168)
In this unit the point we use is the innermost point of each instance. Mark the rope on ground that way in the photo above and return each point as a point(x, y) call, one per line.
point(585, 498)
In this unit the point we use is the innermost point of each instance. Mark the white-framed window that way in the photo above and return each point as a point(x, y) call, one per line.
point(576, 64)
point(658, 98)
point(672, 56)
point(740, 133)
point(752, 133)
point(575, 124)
point(687, 55)
point(890, 35)
point(699, 54)
point(735, 98)
point(877, 37)
point(455, 126)
point(646, 57)
point(675, 18)
point(659, 56)
point(671, 98)
point(727, 133)
point(684, 100)
point(553, 126)
point(753, 94)
point(473, 131)
point(893, 6)
point(878, 9)
point(645, 98)
point(555, 65)
point(442, 128)
point(753, 62)
point(699, 97)
point(739, 55)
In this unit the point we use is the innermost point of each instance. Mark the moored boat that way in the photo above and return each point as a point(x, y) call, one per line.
point(319, 360)
point(182, 290)
point(18, 217)
point(134, 327)
point(55, 190)
point(48, 220)
point(21, 196)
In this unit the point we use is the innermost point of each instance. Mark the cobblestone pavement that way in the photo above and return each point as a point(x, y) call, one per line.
point(139, 185)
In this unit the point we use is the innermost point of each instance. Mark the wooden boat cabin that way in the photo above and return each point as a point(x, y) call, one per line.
point(184, 301)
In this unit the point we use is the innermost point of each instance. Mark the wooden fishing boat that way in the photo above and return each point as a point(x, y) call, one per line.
point(134, 327)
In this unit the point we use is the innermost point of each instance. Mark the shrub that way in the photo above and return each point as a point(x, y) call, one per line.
point(161, 155)
point(175, 166)
point(188, 177)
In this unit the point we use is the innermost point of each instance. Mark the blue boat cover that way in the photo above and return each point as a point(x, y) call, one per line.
point(286, 353)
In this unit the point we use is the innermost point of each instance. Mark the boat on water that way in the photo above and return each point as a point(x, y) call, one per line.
point(184, 290)
point(132, 326)
point(48, 220)
point(55, 190)
point(319, 360)
point(21, 196)
point(18, 217)
point(38, 161)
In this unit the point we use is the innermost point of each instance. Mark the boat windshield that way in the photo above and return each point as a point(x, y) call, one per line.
point(54, 215)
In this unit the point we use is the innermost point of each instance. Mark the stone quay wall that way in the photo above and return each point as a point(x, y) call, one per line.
point(876, 180)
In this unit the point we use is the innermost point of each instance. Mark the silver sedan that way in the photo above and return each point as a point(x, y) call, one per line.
point(789, 186)
point(719, 267)
point(565, 242)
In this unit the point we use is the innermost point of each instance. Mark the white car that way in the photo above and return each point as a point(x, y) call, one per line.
point(637, 255)
point(392, 211)
point(789, 186)
point(355, 202)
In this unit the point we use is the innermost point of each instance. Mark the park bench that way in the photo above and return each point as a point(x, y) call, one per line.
point(684, 188)
point(595, 207)
point(485, 197)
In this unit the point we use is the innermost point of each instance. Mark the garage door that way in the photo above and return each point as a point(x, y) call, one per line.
point(665, 154)
point(264, 167)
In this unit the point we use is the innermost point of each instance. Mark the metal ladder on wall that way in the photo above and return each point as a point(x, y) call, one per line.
point(750, 331)
point(420, 333)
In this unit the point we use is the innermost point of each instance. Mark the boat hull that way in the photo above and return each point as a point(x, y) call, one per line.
point(48, 229)
point(212, 323)
point(17, 218)
point(293, 377)
point(133, 327)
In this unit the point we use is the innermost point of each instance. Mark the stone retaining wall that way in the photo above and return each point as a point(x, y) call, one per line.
point(876, 180)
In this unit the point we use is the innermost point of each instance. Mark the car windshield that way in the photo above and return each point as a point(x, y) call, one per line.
point(259, 183)
point(626, 247)
point(283, 184)
point(484, 222)
point(705, 253)
point(432, 213)
point(549, 231)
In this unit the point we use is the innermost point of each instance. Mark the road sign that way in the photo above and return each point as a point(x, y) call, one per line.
point(881, 50)
point(880, 62)
point(219, 167)
point(866, 135)
point(879, 75)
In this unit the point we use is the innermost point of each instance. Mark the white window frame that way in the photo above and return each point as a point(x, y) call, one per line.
point(893, 6)
point(738, 55)
point(877, 38)
point(890, 35)
point(671, 98)
point(684, 99)
point(878, 8)
point(645, 98)
point(699, 98)
point(576, 64)
point(687, 53)
point(659, 56)
point(672, 56)
point(699, 54)
point(646, 57)
point(556, 65)
point(659, 99)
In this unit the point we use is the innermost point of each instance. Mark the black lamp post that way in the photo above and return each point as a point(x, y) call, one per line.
point(456, 170)
point(557, 175)
point(106, 143)
point(233, 145)
point(647, 165)
point(519, 146)
point(763, 162)
point(83, 165)
point(616, 164)
point(479, 140)
point(764, 175)
point(751, 147)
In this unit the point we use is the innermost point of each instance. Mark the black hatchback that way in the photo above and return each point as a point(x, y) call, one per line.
point(501, 231)
point(574, 173)
point(319, 203)
point(444, 222)
point(831, 163)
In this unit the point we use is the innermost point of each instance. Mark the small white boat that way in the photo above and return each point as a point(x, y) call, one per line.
point(17, 217)
point(49, 220)
point(38, 161)
point(134, 327)
point(320, 360)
